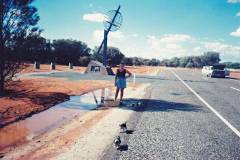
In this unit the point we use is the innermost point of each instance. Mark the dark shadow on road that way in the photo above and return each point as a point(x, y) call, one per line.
point(177, 94)
point(153, 78)
point(129, 131)
point(123, 147)
point(192, 81)
point(153, 105)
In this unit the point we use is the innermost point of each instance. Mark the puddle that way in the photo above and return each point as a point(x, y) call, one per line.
point(25, 130)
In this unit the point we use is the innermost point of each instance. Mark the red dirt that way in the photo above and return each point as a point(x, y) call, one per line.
point(235, 75)
point(47, 68)
point(30, 96)
point(65, 139)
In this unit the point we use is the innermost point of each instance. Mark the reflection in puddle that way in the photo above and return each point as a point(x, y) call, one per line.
point(32, 127)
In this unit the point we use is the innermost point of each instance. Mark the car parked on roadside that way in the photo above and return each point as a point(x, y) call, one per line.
point(218, 70)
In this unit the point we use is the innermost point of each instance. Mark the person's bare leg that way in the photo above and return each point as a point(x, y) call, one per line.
point(121, 95)
point(116, 94)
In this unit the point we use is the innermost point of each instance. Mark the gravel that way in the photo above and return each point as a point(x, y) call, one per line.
point(173, 124)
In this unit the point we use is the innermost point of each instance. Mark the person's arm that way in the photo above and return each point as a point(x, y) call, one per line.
point(115, 79)
point(129, 74)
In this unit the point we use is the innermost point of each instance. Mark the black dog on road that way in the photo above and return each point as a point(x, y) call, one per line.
point(123, 127)
point(117, 142)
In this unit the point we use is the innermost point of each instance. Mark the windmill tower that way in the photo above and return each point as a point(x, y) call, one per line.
point(112, 22)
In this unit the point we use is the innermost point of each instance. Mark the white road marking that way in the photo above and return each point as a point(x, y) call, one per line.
point(235, 89)
point(209, 106)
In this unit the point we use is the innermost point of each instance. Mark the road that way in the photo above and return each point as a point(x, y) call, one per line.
point(184, 116)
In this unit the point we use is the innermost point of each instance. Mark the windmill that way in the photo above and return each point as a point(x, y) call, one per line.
point(112, 22)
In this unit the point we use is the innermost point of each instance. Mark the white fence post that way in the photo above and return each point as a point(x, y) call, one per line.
point(134, 78)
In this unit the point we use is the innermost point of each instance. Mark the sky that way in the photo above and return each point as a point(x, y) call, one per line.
point(151, 28)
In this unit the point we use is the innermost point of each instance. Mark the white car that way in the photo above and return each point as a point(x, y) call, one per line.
point(207, 71)
point(218, 70)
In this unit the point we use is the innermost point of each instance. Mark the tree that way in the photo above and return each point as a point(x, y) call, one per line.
point(36, 48)
point(18, 20)
point(2, 54)
point(174, 62)
point(189, 65)
point(197, 61)
point(165, 62)
point(137, 61)
point(211, 58)
point(114, 55)
point(83, 61)
point(147, 62)
point(154, 62)
point(68, 50)
point(128, 61)
point(183, 61)
point(232, 65)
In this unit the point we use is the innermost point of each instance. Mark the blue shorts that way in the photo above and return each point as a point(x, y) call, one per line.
point(121, 83)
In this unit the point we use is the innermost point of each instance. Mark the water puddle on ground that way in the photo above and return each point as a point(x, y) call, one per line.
point(25, 130)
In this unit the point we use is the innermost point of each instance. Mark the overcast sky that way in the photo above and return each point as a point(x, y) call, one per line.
point(151, 28)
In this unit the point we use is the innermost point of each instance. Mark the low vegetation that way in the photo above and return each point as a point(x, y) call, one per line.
point(208, 58)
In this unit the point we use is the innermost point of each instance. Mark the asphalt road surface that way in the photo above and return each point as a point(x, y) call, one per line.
point(184, 116)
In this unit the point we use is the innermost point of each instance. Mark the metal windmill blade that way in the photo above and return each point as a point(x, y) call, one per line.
point(113, 20)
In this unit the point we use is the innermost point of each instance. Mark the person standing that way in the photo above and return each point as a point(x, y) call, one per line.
point(120, 80)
